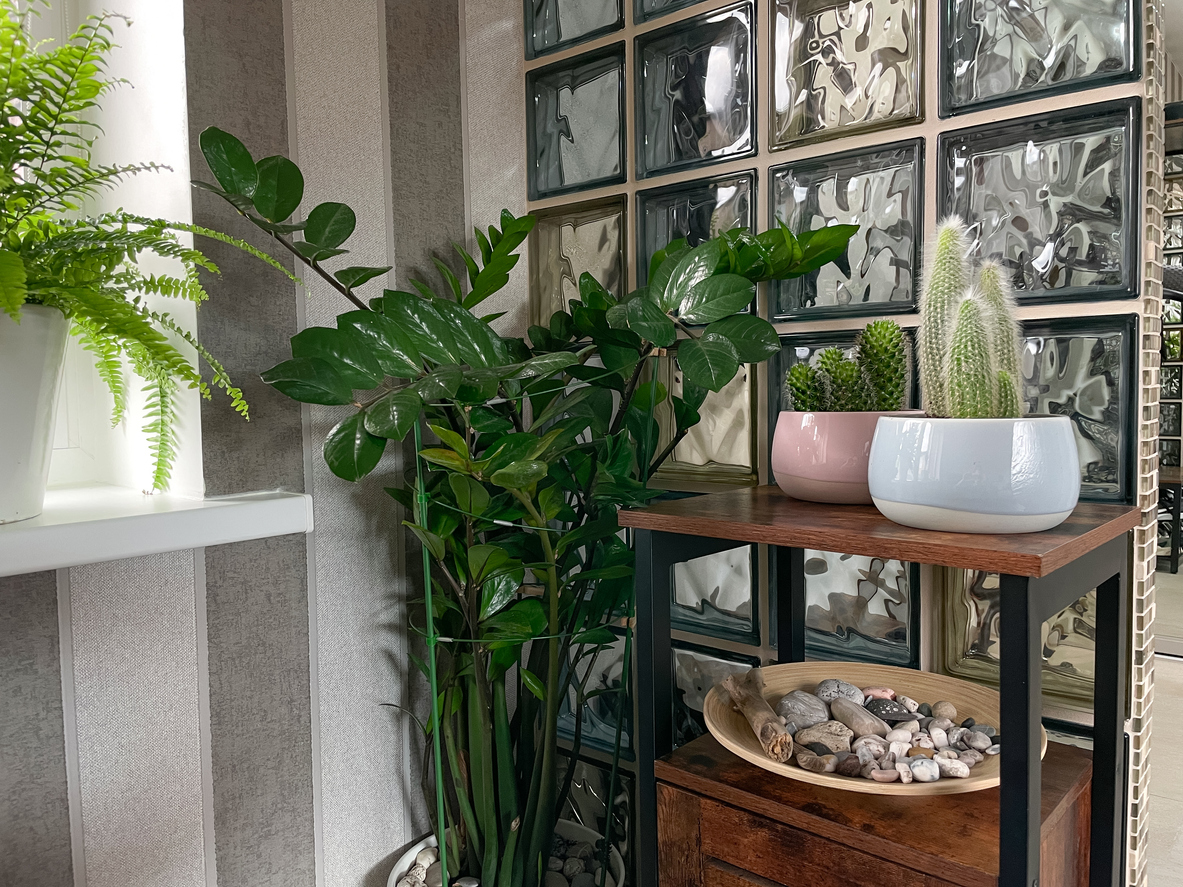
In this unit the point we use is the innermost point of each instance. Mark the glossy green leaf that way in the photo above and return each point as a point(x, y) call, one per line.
point(309, 380)
point(754, 338)
point(647, 320)
point(545, 365)
point(330, 224)
point(659, 280)
point(279, 190)
point(533, 683)
point(445, 459)
point(480, 385)
point(715, 298)
point(355, 276)
point(345, 349)
point(439, 385)
point(709, 361)
point(229, 161)
point(314, 253)
point(522, 622)
point(419, 320)
point(392, 348)
point(596, 637)
point(519, 475)
point(451, 440)
point(649, 395)
point(694, 267)
point(476, 342)
point(485, 561)
point(498, 592)
point(393, 416)
point(471, 495)
point(352, 452)
point(433, 543)
point(686, 416)
point(820, 247)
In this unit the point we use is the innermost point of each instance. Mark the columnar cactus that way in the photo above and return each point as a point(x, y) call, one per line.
point(805, 390)
point(876, 379)
point(884, 357)
point(969, 338)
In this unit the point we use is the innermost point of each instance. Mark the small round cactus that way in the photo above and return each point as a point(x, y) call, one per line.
point(804, 389)
point(883, 355)
point(877, 378)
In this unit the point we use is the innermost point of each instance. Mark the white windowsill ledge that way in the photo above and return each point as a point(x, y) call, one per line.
point(91, 524)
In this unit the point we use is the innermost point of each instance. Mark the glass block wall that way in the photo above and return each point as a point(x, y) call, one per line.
point(649, 120)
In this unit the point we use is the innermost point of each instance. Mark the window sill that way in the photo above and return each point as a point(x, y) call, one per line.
point(91, 524)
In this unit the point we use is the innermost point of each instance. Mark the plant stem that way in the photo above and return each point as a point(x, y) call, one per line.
point(665, 454)
point(328, 278)
point(627, 396)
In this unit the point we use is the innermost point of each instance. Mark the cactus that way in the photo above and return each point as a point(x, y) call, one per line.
point(945, 282)
point(998, 307)
point(973, 382)
point(849, 388)
point(804, 389)
point(882, 354)
point(1009, 404)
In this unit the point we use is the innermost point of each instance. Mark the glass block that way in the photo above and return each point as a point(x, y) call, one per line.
point(844, 67)
point(593, 799)
point(861, 609)
point(806, 347)
point(1173, 165)
point(552, 25)
point(1168, 453)
point(566, 242)
point(716, 595)
point(1005, 52)
point(1172, 348)
point(575, 123)
point(1173, 260)
point(1052, 198)
point(1168, 420)
point(696, 671)
point(696, 211)
point(880, 191)
point(1172, 232)
point(971, 638)
point(695, 88)
point(1083, 368)
point(1172, 311)
point(643, 10)
point(721, 447)
point(1173, 191)
point(601, 713)
point(1172, 382)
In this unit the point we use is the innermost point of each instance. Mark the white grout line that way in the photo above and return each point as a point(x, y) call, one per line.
point(70, 729)
point(205, 728)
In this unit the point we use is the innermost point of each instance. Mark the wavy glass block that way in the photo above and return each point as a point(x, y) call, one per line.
point(552, 25)
point(1173, 165)
point(716, 595)
point(1173, 261)
point(1172, 232)
point(696, 211)
point(881, 192)
point(721, 447)
point(1172, 382)
point(1052, 198)
point(1172, 347)
point(575, 123)
point(1172, 311)
point(806, 347)
point(696, 671)
point(844, 67)
point(971, 638)
point(1084, 369)
point(643, 10)
point(568, 241)
point(1168, 420)
point(1168, 453)
point(695, 88)
point(592, 799)
point(1172, 192)
point(861, 609)
point(601, 714)
point(1006, 52)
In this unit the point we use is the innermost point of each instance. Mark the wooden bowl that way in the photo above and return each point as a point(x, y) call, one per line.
point(972, 701)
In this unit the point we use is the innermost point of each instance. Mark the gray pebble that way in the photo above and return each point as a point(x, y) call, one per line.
point(973, 754)
point(952, 768)
point(925, 770)
point(832, 734)
point(860, 720)
point(558, 846)
point(849, 766)
point(925, 723)
point(968, 761)
point(944, 710)
point(924, 710)
point(912, 726)
point(408, 882)
point(830, 689)
point(573, 867)
point(555, 879)
point(584, 879)
point(955, 735)
point(581, 850)
point(820, 749)
point(434, 876)
point(993, 750)
point(865, 755)
point(889, 710)
point(555, 864)
point(467, 882)
point(942, 723)
point(984, 728)
point(427, 856)
point(800, 709)
point(980, 741)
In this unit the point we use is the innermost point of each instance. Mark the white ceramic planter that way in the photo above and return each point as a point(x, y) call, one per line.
point(572, 831)
point(975, 475)
point(31, 357)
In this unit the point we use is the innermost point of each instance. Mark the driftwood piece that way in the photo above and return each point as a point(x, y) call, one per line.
point(747, 692)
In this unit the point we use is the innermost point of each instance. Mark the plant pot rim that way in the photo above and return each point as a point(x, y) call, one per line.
point(900, 413)
point(1033, 417)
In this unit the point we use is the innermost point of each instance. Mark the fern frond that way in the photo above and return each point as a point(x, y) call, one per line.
point(161, 413)
point(220, 378)
point(240, 244)
point(13, 290)
point(108, 362)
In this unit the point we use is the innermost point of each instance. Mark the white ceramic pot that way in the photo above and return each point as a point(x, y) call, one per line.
point(31, 357)
point(572, 831)
point(975, 475)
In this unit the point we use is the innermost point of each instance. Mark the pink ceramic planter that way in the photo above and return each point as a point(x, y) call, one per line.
point(822, 457)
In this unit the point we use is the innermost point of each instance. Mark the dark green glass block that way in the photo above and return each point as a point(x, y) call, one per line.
point(1172, 382)
point(552, 25)
point(1168, 453)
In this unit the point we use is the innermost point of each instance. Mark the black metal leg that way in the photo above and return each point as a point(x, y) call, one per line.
point(1176, 531)
point(1109, 712)
point(790, 604)
point(1021, 664)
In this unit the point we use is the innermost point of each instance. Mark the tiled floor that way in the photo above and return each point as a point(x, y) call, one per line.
point(1166, 779)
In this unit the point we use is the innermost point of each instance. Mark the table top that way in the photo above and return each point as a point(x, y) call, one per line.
point(765, 514)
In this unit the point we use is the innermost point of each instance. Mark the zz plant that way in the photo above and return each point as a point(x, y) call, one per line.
point(53, 254)
point(877, 377)
point(535, 443)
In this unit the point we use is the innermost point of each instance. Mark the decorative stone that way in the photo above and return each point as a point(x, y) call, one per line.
point(922, 740)
point(925, 723)
point(967, 760)
point(993, 750)
point(920, 752)
point(956, 734)
point(980, 741)
point(878, 693)
point(419, 872)
point(952, 768)
point(427, 856)
point(817, 763)
point(819, 749)
point(973, 754)
point(905, 772)
point(968, 722)
point(573, 867)
point(888, 710)
point(434, 876)
point(876, 744)
point(832, 688)
point(944, 710)
point(940, 739)
point(900, 749)
point(409, 882)
point(584, 879)
point(984, 728)
point(581, 850)
point(467, 882)
point(800, 709)
point(554, 864)
point(849, 766)
point(924, 710)
point(865, 755)
point(834, 735)
point(942, 723)
point(887, 762)
point(886, 775)
point(868, 769)
point(555, 879)
point(558, 846)
point(860, 720)
point(912, 726)
point(925, 770)
point(898, 735)
point(946, 753)
point(908, 702)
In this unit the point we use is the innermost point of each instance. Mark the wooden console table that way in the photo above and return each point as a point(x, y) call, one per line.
point(1041, 573)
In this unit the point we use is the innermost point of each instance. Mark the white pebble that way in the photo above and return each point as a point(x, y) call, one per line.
point(947, 753)
point(905, 772)
point(898, 735)
point(940, 739)
point(900, 749)
point(942, 723)
point(925, 770)
point(910, 726)
point(993, 750)
point(922, 740)
point(907, 702)
point(409, 882)
point(951, 767)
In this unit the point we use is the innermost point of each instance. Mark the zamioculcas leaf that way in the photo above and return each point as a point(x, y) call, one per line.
point(754, 338)
point(329, 225)
point(685, 415)
point(545, 365)
point(519, 475)
point(419, 320)
point(352, 452)
point(229, 161)
point(471, 495)
point(533, 684)
point(710, 361)
point(476, 341)
point(433, 543)
point(659, 279)
point(451, 439)
point(445, 459)
point(696, 266)
point(280, 188)
point(315, 253)
point(647, 320)
point(309, 380)
point(393, 416)
point(355, 276)
point(345, 349)
point(391, 347)
point(497, 593)
point(439, 385)
point(823, 246)
point(715, 298)
point(485, 561)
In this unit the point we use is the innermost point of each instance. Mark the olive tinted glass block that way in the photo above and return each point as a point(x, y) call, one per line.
point(716, 595)
point(593, 797)
point(861, 609)
point(695, 88)
point(1168, 453)
point(696, 671)
point(1172, 382)
point(881, 192)
point(643, 10)
point(844, 67)
point(575, 123)
point(567, 242)
point(696, 211)
point(1172, 232)
point(1084, 369)
point(1172, 348)
point(1003, 52)
point(1052, 198)
point(1168, 421)
point(601, 713)
point(556, 24)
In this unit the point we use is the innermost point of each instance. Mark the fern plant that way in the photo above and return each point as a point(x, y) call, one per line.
point(53, 253)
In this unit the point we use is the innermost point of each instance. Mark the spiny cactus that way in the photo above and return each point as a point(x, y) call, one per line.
point(884, 357)
point(804, 389)
point(876, 379)
point(969, 338)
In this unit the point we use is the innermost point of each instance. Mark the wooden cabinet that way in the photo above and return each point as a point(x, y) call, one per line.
point(722, 822)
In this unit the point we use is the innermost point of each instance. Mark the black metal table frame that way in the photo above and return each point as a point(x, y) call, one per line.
point(1026, 603)
point(1174, 500)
